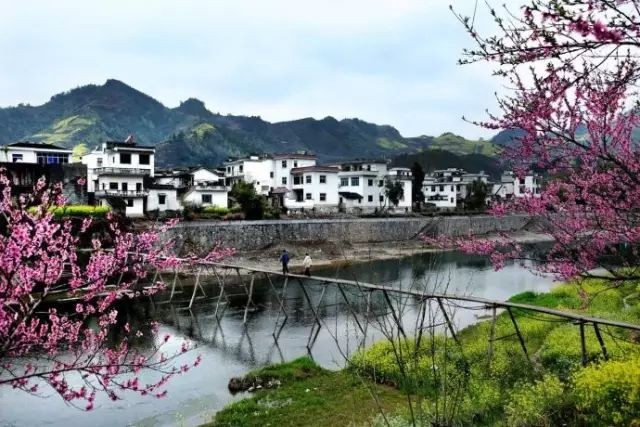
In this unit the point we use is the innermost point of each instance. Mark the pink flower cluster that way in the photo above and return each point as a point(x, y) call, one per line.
point(40, 258)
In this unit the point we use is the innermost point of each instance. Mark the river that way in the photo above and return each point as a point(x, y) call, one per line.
point(229, 349)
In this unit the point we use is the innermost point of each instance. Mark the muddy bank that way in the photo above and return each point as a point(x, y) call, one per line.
point(336, 253)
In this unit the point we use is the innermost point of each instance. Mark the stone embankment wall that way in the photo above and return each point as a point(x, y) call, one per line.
point(256, 235)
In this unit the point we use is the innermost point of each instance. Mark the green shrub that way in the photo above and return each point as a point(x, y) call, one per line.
point(68, 211)
point(609, 393)
point(539, 404)
point(215, 210)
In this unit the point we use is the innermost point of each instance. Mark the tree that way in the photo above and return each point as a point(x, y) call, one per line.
point(65, 348)
point(476, 198)
point(394, 191)
point(574, 69)
point(416, 189)
point(251, 203)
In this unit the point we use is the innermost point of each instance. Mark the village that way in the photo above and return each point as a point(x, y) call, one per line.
point(123, 173)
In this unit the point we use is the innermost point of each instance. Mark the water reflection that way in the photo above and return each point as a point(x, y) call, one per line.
point(230, 348)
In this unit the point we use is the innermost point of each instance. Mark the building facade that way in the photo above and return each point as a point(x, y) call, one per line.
point(116, 173)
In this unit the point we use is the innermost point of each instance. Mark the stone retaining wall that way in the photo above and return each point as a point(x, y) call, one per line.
point(255, 235)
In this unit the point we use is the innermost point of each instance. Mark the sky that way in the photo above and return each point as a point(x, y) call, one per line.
point(385, 61)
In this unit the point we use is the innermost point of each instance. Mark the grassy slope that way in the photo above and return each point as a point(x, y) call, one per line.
point(310, 395)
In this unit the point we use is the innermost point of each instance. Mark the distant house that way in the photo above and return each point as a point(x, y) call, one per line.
point(362, 186)
point(26, 162)
point(313, 187)
point(116, 172)
point(511, 185)
point(448, 188)
point(196, 186)
point(35, 153)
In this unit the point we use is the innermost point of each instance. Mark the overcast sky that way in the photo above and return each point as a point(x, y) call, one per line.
point(390, 62)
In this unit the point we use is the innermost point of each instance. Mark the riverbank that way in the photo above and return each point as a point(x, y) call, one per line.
point(330, 254)
point(476, 382)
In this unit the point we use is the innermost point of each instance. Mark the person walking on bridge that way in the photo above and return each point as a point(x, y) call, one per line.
point(284, 259)
point(306, 263)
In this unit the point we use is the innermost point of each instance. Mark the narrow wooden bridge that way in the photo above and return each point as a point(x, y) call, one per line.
point(245, 279)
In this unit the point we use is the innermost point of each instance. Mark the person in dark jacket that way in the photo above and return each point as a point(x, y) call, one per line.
point(284, 259)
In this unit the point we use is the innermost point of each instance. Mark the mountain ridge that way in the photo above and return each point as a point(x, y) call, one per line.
point(191, 134)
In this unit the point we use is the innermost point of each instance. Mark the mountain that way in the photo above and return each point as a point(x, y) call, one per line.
point(458, 145)
point(191, 134)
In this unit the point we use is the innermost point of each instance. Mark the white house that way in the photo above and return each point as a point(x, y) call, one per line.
point(35, 153)
point(512, 185)
point(446, 188)
point(257, 170)
point(205, 194)
point(405, 177)
point(361, 186)
point(313, 187)
point(162, 198)
point(117, 170)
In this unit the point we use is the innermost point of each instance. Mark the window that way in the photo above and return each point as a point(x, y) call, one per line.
point(297, 180)
point(125, 186)
point(284, 164)
point(370, 183)
point(355, 181)
point(433, 188)
point(228, 169)
point(138, 186)
point(370, 198)
point(381, 183)
point(206, 198)
point(295, 164)
point(308, 196)
point(323, 179)
point(100, 162)
point(130, 203)
point(452, 188)
point(240, 168)
point(458, 187)
point(344, 182)
point(270, 174)
point(359, 201)
point(381, 198)
point(442, 188)
point(323, 197)
point(284, 180)
point(125, 158)
point(307, 179)
point(162, 199)
point(113, 186)
point(52, 158)
point(144, 159)
point(16, 157)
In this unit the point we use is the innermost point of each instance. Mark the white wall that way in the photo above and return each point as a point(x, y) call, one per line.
point(446, 191)
point(218, 197)
point(315, 189)
point(205, 175)
point(171, 200)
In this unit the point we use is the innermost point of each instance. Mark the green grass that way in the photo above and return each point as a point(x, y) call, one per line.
point(310, 396)
point(66, 130)
point(461, 146)
point(389, 144)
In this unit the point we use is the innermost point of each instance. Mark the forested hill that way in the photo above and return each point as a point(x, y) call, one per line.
point(191, 134)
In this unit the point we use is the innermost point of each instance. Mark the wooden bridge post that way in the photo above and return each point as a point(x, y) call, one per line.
point(393, 313)
point(195, 287)
point(601, 341)
point(249, 299)
point(448, 321)
point(515, 326)
point(353, 313)
point(312, 337)
point(583, 344)
point(492, 333)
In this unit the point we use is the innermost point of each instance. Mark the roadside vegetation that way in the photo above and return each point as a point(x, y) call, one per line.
point(469, 384)
point(68, 211)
